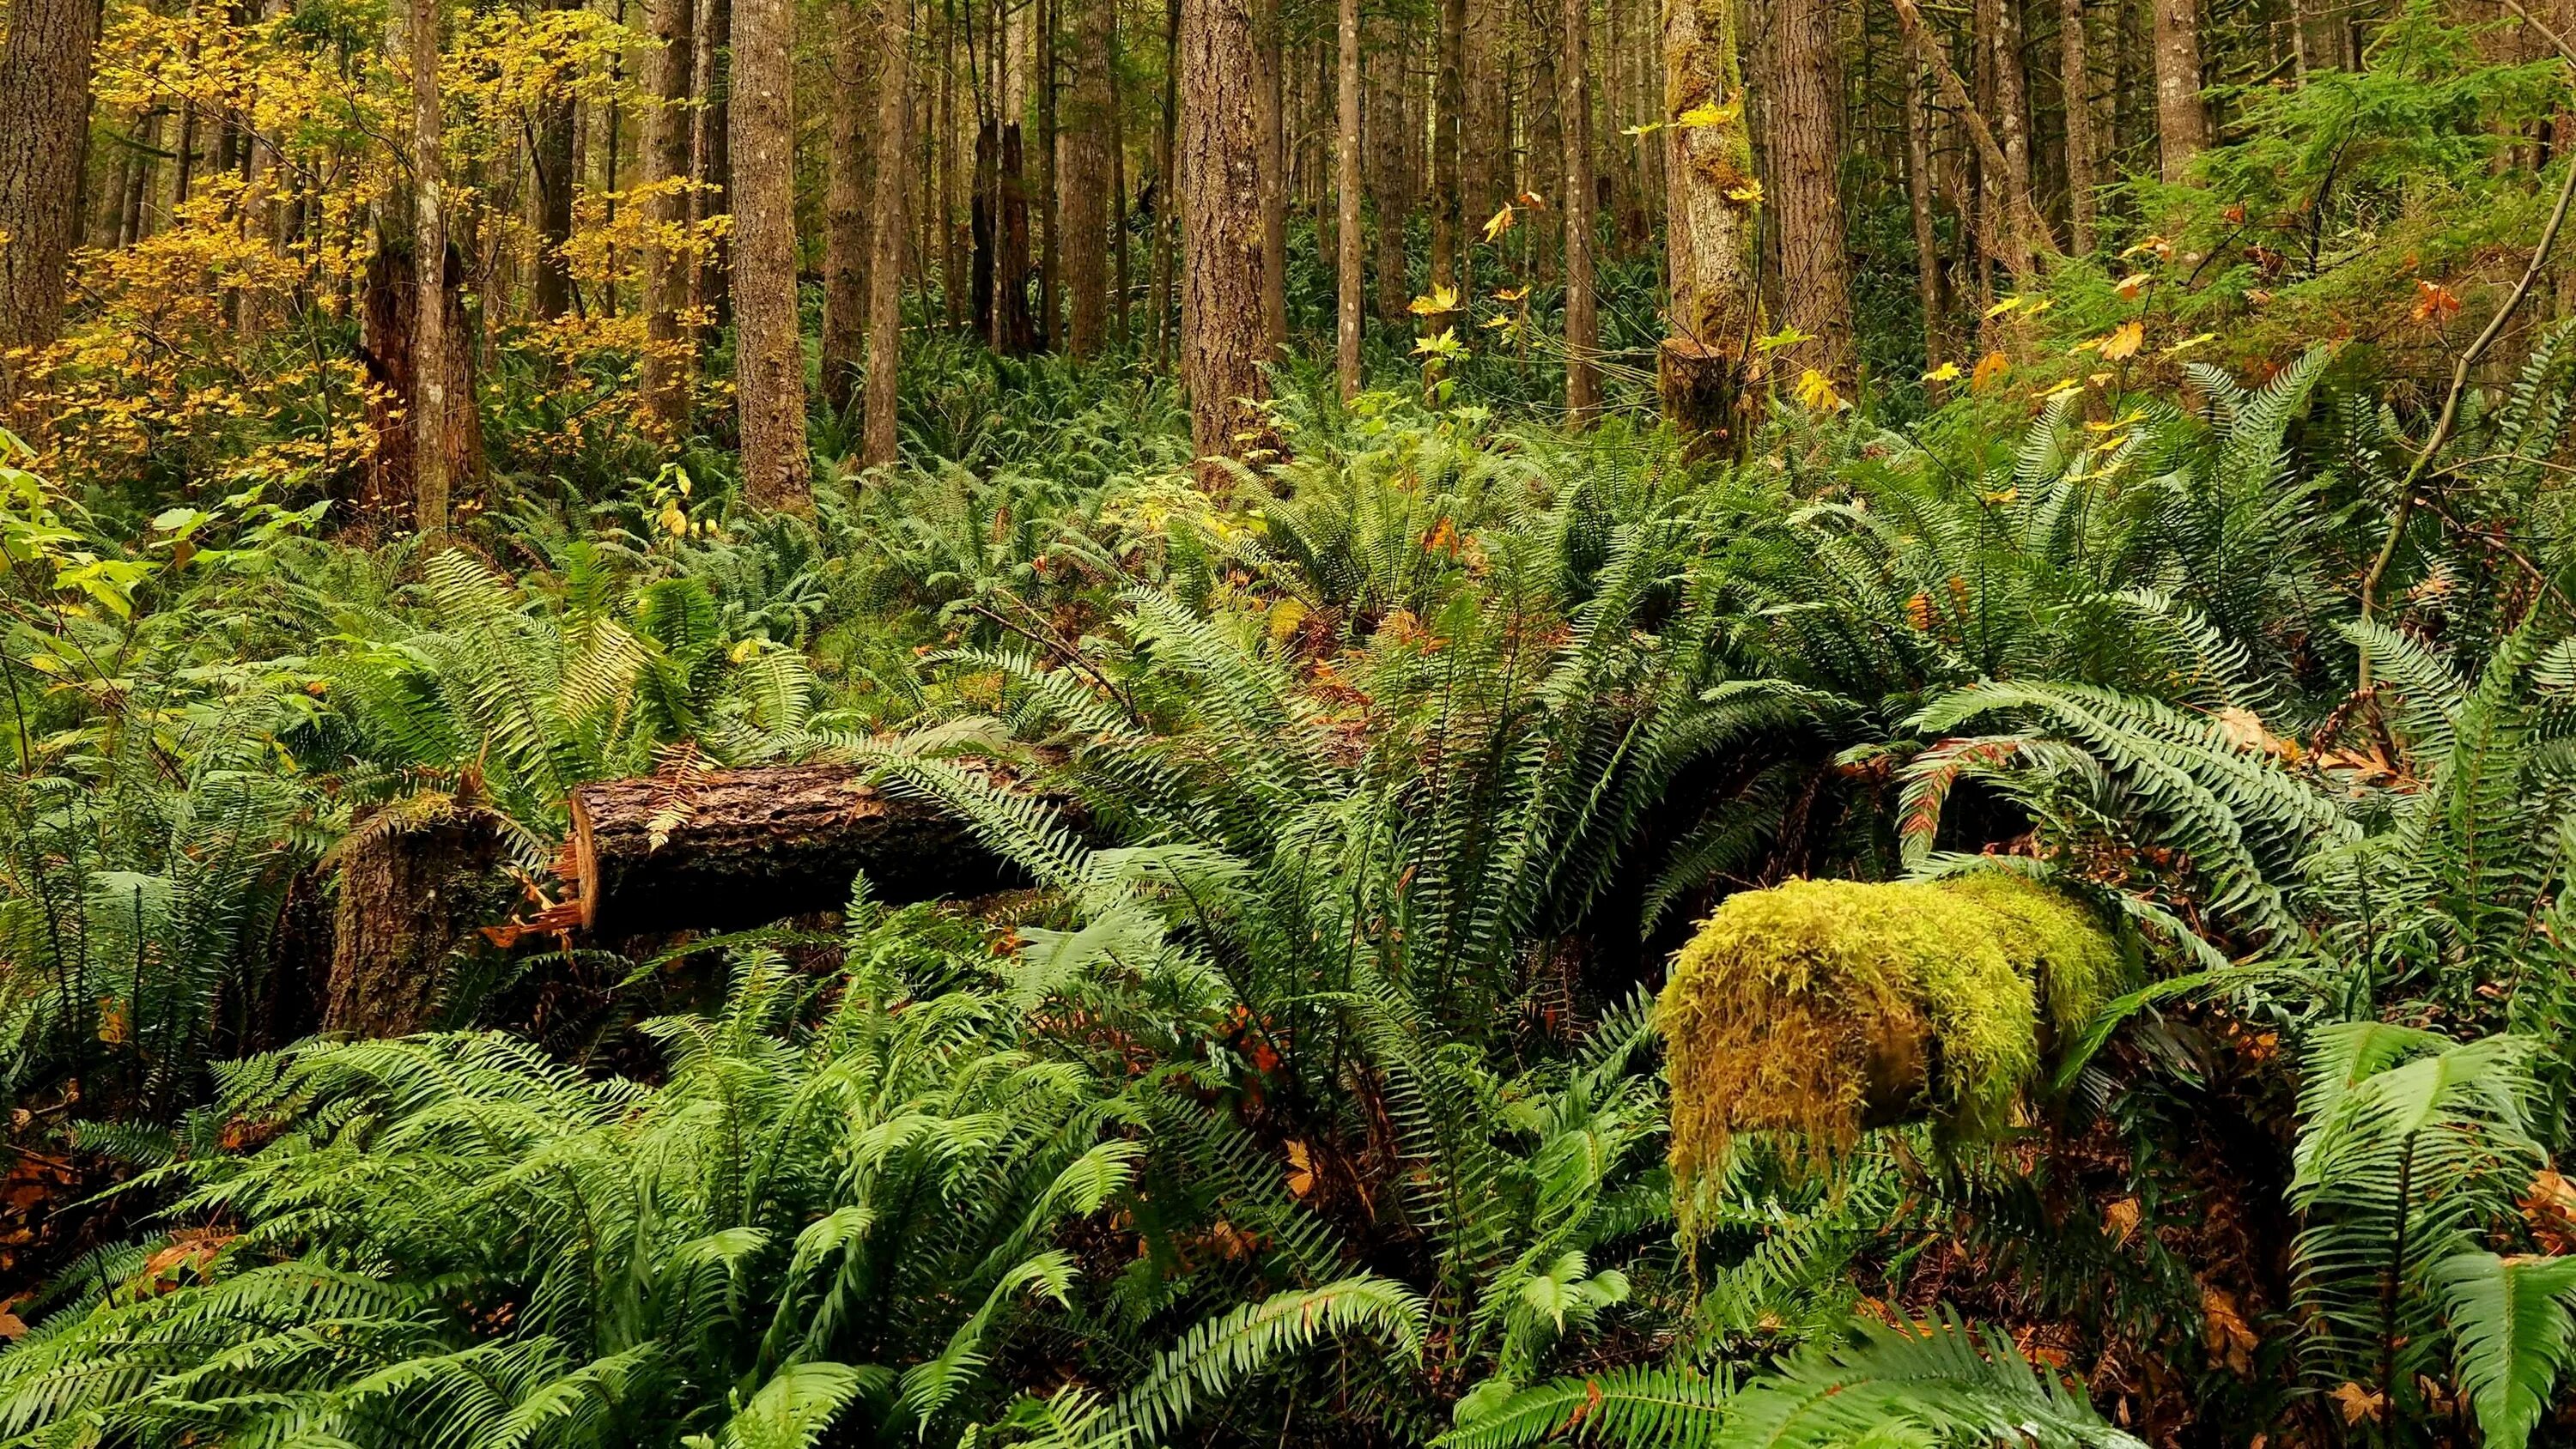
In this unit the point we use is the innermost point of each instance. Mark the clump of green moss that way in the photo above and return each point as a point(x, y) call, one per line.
point(1819, 1008)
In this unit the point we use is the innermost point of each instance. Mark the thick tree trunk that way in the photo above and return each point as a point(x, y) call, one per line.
point(846, 206)
point(885, 271)
point(1387, 191)
point(2182, 123)
point(44, 143)
point(1221, 318)
point(1087, 181)
point(1346, 183)
point(1702, 368)
point(1582, 318)
point(670, 350)
point(1806, 162)
point(409, 896)
point(2076, 83)
point(769, 355)
point(739, 848)
point(552, 162)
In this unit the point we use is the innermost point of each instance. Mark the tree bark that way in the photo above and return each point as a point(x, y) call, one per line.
point(2017, 234)
point(1806, 164)
point(1484, 162)
point(1387, 191)
point(1087, 180)
point(1221, 316)
point(769, 355)
point(44, 144)
point(552, 162)
point(2076, 83)
point(1582, 316)
point(1928, 274)
point(1999, 32)
point(2182, 123)
point(846, 193)
point(1702, 368)
point(409, 896)
point(1448, 111)
point(1346, 179)
point(886, 267)
point(712, 283)
point(1170, 204)
point(669, 265)
point(431, 337)
point(1271, 117)
point(742, 847)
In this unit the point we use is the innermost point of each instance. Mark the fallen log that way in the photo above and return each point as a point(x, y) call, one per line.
point(728, 849)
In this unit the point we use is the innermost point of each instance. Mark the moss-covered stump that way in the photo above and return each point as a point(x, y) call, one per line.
point(1819, 1008)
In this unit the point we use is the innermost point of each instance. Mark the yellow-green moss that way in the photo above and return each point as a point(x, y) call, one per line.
point(1804, 1008)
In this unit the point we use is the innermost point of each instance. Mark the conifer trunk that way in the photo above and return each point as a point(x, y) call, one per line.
point(1928, 274)
point(552, 158)
point(886, 267)
point(2076, 84)
point(769, 357)
point(1271, 117)
point(1386, 144)
point(44, 143)
point(1582, 319)
point(1087, 181)
point(1221, 317)
point(846, 195)
point(1346, 178)
point(430, 335)
point(669, 350)
point(1806, 160)
point(1448, 110)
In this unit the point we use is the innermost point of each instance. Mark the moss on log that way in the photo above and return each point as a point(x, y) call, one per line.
point(1819, 1008)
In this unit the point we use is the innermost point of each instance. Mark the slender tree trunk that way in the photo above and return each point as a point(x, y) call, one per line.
point(847, 191)
point(1221, 321)
point(1089, 184)
point(714, 283)
point(1919, 199)
point(1484, 162)
point(2182, 123)
point(1121, 307)
point(1050, 328)
point(769, 356)
point(2077, 83)
point(1387, 191)
point(1712, 229)
point(1546, 139)
point(1806, 162)
point(44, 144)
point(1346, 180)
point(1271, 119)
point(1168, 214)
point(1998, 27)
point(670, 353)
point(1448, 111)
point(552, 161)
point(885, 272)
point(1582, 319)
point(955, 286)
point(430, 341)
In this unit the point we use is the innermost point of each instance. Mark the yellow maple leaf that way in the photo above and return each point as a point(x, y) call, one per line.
point(2187, 344)
point(1990, 368)
point(1439, 300)
point(1709, 113)
point(1499, 223)
point(1815, 392)
point(1946, 372)
point(2131, 285)
point(2123, 342)
point(2000, 308)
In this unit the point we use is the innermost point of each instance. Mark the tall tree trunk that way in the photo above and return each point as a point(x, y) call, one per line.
point(670, 352)
point(1711, 230)
point(431, 477)
point(1015, 325)
point(1919, 198)
point(715, 81)
point(1271, 119)
point(1346, 182)
point(956, 286)
point(1088, 184)
point(1546, 138)
point(1998, 25)
point(1485, 137)
point(1050, 321)
point(1221, 323)
point(769, 356)
point(2182, 123)
point(1582, 318)
point(44, 144)
point(2076, 73)
point(1448, 111)
point(552, 161)
point(846, 192)
point(1169, 211)
point(2012, 231)
point(1387, 190)
point(1121, 308)
point(1806, 162)
point(885, 271)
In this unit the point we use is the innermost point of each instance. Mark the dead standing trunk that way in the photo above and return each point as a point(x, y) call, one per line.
point(769, 355)
point(1221, 319)
point(551, 159)
point(1448, 112)
point(1272, 120)
point(1703, 369)
point(44, 143)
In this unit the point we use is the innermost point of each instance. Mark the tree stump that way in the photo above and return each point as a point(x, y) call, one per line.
point(410, 893)
point(1702, 388)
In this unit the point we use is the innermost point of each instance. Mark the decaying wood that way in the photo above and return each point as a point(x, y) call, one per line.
point(410, 894)
point(735, 848)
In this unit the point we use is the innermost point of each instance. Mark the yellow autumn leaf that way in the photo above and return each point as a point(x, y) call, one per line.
point(1709, 113)
point(2186, 344)
point(1439, 300)
point(1815, 392)
point(1990, 369)
point(2000, 308)
point(673, 521)
point(2131, 285)
point(1499, 223)
point(1747, 191)
point(2124, 341)
point(1946, 372)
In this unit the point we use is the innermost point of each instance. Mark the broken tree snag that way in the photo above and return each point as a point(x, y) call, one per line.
point(728, 849)
point(415, 884)
point(1819, 1008)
